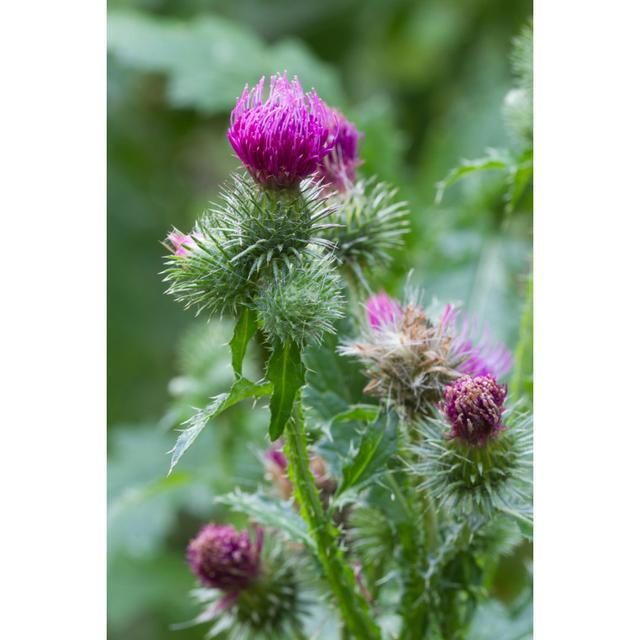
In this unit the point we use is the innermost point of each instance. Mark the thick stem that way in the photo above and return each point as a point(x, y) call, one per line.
point(339, 574)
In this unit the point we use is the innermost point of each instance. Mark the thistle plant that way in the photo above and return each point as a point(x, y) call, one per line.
point(384, 497)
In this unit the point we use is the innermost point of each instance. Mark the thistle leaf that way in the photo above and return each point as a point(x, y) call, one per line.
point(241, 390)
point(244, 331)
point(286, 372)
point(377, 445)
point(278, 514)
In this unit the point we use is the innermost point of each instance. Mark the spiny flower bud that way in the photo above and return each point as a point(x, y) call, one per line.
point(282, 139)
point(474, 407)
point(224, 558)
point(338, 168)
point(382, 310)
point(301, 304)
point(368, 224)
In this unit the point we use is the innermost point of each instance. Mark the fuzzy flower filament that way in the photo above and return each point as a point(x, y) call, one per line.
point(223, 558)
point(281, 139)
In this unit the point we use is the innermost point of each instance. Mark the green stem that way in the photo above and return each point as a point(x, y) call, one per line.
point(353, 607)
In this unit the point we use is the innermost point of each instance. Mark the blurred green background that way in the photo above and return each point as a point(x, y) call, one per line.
point(424, 81)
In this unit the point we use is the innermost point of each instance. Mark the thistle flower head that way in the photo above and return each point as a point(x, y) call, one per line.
point(338, 168)
point(281, 139)
point(382, 310)
point(474, 407)
point(408, 356)
point(480, 354)
point(223, 558)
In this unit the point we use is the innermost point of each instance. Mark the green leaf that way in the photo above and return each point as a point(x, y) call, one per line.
point(364, 412)
point(521, 383)
point(286, 371)
point(244, 331)
point(522, 518)
point(208, 60)
point(241, 390)
point(377, 445)
point(278, 514)
point(493, 160)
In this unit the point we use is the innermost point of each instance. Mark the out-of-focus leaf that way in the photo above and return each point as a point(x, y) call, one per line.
point(244, 331)
point(494, 620)
point(521, 384)
point(376, 446)
point(494, 159)
point(286, 371)
point(278, 514)
point(241, 390)
point(365, 412)
point(208, 60)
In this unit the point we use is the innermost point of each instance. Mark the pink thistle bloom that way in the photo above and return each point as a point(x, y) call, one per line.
point(181, 242)
point(481, 355)
point(338, 169)
point(382, 310)
point(473, 407)
point(281, 139)
point(223, 558)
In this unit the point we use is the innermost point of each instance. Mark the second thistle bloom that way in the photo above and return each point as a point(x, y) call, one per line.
point(223, 558)
point(281, 139)
point(473, 407)
point(338, 168)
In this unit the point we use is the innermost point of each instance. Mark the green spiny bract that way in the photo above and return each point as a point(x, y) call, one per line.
point(258, 228)
point(272, 606)
point(243, 240)
point(369, 224)
point(471, 478)
point(301, 303)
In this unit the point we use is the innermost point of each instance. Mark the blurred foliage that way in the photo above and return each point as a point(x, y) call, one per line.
point(426, 82)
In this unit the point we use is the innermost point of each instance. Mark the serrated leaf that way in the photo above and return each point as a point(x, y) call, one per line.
point(286, 372)
point(241, 390)
point(376, 446)
point(245, 329)
point(278, 514)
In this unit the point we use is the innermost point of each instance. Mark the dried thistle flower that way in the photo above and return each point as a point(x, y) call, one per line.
point(408, 360)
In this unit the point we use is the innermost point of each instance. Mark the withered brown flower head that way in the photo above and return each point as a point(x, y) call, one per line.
point(409, 361)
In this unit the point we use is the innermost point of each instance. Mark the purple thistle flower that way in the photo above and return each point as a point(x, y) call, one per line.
point(481, 356)
point(223, 558)
point(382, 310)
point(338, 169)
point(474, 406)
point(181, 242)
point(283, 139)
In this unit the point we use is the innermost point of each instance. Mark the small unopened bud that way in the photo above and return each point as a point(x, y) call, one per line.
point(474, 407)
point(223, 558)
